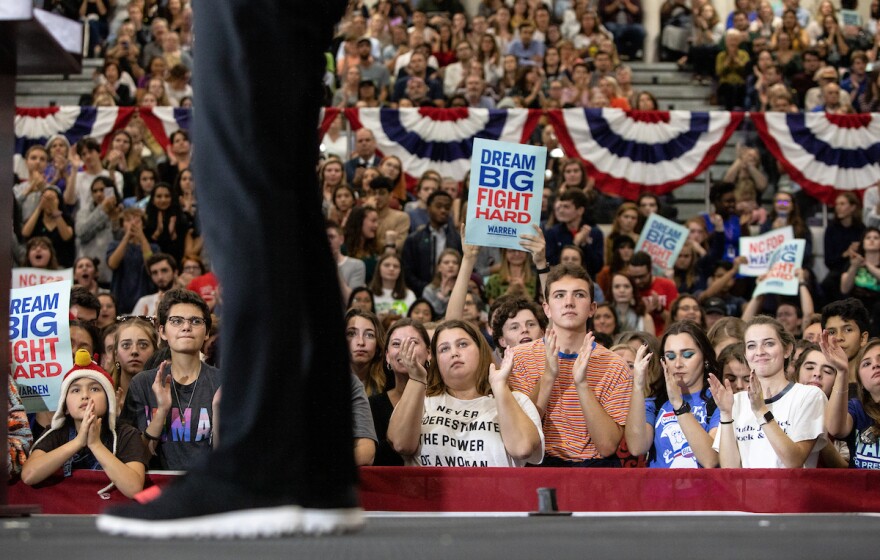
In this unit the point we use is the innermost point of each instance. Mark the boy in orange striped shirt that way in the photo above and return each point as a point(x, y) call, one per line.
point(581, 389)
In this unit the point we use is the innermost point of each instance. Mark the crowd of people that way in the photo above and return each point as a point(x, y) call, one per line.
point(778, 56)
point(760, 56)
point(572, 351)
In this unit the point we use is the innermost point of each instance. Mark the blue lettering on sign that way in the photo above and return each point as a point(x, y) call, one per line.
point(501, 230)
point(31, 304)
point(25, 326)
point(30, 391)
point(788, 254)
point(662, 238)
point(502, 178)
point(507, 159)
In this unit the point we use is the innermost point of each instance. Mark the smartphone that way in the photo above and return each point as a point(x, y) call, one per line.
point(109, 191)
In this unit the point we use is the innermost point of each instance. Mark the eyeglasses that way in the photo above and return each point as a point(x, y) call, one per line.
point(192, 268)
point(148, 318)
point(176, 321)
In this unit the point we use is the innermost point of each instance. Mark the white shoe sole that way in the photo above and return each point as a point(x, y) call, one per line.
point(243, 524)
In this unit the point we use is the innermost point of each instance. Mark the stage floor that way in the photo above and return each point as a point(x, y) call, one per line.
point(454, 537)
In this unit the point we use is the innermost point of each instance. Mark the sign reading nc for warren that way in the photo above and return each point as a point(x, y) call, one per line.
point(507, 181)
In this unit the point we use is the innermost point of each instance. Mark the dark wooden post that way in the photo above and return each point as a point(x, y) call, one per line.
point(32, 41)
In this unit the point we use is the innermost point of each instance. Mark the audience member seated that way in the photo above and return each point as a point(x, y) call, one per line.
point(528, 52)
point(423, 247)
point(84, 434)
point(731, 67)
point(504, 425)
point(770, 403)
point(365, 153)
point(854, 420)
point(862, 279)
point(49, 221)
point(173, 406)
point(580, 390)
point(677, 423)
point(623, 18)
point(390, 293)
point(841, 241)
point(382, 404)
point(707, 34)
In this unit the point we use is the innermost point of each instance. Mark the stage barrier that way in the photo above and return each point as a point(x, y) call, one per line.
point(514, 490)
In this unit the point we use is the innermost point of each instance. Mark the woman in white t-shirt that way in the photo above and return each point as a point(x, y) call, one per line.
point(776, 423)
point(390, 293)
point(461, 413)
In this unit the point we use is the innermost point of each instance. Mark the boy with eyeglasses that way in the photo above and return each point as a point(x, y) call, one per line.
point(173, 405)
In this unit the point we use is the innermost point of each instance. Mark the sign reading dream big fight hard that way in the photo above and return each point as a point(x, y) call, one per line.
point(662, 239)
point(507, 181)
point(760, 248)
point(24, 277)
point(39, 341)
point(781, 278)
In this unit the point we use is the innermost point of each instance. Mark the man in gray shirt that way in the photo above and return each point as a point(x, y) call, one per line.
point(351, 271)
point(371, 69)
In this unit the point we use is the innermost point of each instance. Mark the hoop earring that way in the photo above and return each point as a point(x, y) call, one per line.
point(118, 366)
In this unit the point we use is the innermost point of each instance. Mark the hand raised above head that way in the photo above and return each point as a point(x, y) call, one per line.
point(468, 251)
point(536, 245)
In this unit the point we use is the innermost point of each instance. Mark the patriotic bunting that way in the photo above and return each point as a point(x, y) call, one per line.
point(440, 139)
point(631, 152)
point(626, 152)
point(823, 153)
point(36, 126)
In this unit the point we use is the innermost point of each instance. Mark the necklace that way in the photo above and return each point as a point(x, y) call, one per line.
point(180, 410)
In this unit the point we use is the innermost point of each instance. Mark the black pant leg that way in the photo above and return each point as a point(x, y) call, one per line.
point(285, 418)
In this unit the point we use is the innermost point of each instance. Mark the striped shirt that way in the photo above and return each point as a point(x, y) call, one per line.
point(565, 430)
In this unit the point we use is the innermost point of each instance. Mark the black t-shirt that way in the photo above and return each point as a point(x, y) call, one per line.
point(380, 406)
point(129, 446)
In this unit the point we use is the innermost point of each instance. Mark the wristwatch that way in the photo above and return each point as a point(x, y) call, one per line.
point(768, 417)
point(683, 409)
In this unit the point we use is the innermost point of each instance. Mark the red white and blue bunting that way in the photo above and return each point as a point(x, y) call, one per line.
point(440, 139)
point(36, 126)
point(628, 153)
point(825, 154)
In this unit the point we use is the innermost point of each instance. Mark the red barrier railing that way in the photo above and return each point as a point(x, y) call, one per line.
point(514, 490)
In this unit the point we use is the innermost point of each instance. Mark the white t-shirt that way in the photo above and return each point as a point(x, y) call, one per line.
point(386, 303)
point(84, 181)
point(457, 433)
point(147, 305)
point(799, 411)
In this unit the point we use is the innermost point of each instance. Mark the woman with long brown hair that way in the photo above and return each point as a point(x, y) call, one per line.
point(463, 388)
point(366, 348)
